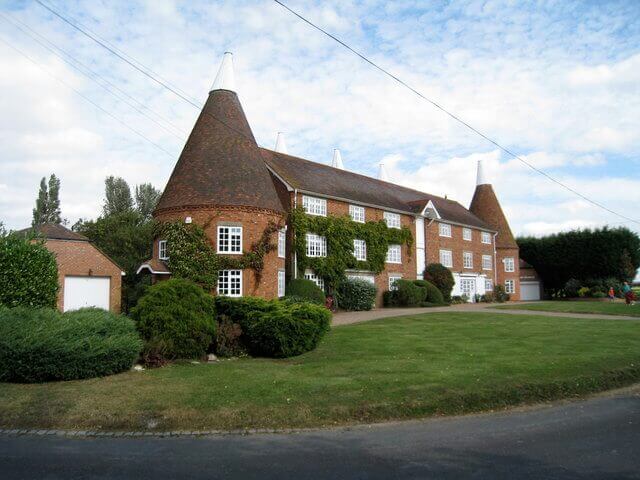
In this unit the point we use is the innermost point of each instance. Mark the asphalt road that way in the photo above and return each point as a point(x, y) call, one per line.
point(593, 439)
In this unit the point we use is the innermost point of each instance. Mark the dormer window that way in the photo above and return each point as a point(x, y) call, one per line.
point(163, 252)
point(314, 205)
point(356, 213)
point(445, 230)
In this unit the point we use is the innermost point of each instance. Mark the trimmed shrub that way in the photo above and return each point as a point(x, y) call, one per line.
point(356, 294)
point(29, 273)
point(408, 294)
point(389, 299)
point(38, 345)
point(458, 299)
point(433, 294)
point(275, 328)
point(571, 288)
point(500, 295)
point(180, 314)
point(488, 297)
point(303, 288)
point(441, 277)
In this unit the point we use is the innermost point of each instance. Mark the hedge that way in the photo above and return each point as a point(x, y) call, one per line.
point(273, 328)
point(38, 345)
point(432, 293)
point(179, 316)
point(302, 288)
point(356, 294)
point(29, 273)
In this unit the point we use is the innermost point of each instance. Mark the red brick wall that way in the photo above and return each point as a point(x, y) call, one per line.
point(80, 259)
point(515, 275)
point(254, 222)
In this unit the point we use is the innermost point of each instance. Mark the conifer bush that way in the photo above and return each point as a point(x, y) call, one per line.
point(179, 314)
point(433, 294)
point(38, 345)
point(442, 278)
point(303, 288)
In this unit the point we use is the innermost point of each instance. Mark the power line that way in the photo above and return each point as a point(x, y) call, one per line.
point(453, 116)
point(94, 76)
point(87, 99)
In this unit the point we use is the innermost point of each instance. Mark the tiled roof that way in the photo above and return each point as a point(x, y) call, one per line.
point(486, 206)
point(221, 163)
point(332, 182)
point(54, 231)
point(154, 266)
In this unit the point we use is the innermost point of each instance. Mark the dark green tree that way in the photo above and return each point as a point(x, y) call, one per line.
point(48, 202)
point(117, 196)
point(147, 197)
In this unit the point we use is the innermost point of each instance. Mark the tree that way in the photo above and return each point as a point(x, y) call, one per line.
point(147, 197)
point(117, 196)
point(48, 202)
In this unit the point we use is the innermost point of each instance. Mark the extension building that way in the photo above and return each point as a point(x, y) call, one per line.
point(235, 189)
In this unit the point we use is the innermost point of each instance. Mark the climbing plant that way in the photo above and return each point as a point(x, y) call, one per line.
point(192, 256)
point(340, 233)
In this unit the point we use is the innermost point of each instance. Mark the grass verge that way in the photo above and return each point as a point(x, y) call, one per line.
point(396, 368)
point(568, 306)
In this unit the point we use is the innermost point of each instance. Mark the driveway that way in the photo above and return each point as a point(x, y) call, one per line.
point(598, 438)
point(347, 318)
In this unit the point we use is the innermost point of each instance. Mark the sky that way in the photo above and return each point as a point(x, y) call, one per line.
point(558, 82)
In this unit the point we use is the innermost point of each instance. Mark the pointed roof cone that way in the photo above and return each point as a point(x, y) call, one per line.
point(337, 160)
point(382, 173)
point(281, 145)
point(481, 178)
point(225, 79)
point(221, 163)
point(485, 206)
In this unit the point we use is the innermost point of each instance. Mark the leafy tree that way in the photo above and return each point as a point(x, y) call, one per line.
point(583, 255)
point(147, 197)
point(48, 202)
point(117, 196)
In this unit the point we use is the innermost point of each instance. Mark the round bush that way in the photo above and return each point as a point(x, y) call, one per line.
point(38, 345)
point(180, 314)
point(29, 273)
point(408, 294)
point(356, 294)
point(433, 294)
point(288, 330)
point(307, 289)
point(441, 277)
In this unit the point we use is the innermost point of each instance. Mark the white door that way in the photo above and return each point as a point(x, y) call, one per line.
point(468, 288)
point(82, 292)
point(529, 290)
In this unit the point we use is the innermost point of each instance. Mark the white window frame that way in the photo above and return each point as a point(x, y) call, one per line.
point(281, 283)
point(163, 252)
point(394, 254)
point(467, 260)
point(488, 284)
point(467, 234)
point(311, 275)
point(393, 279)
point(226, 280)
point(392, 219)
point(233, 244)
point(282, 243)
point(444, 254)
point(357, 213)
point(444, 230)
point(510, 286)
point(509, 265)
point(487, 262)
point(360, 250)
point(314, 205)
point(316, 245)
point(486, 238)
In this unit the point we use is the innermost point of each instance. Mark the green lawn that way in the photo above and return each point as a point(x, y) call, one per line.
point(608, 308)
point(396, 368)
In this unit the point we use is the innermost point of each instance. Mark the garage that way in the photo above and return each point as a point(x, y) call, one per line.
point(529, 291)
point(80, 292)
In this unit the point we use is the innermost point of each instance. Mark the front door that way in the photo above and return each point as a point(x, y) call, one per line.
point(468, 288)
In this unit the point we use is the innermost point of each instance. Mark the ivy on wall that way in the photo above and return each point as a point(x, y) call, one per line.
point(192, 256)
point(340, 233)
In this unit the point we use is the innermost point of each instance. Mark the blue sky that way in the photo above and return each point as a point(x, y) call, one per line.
point(557, 82)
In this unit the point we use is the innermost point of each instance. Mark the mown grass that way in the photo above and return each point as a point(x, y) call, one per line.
point(397, 368)
point(568, 306)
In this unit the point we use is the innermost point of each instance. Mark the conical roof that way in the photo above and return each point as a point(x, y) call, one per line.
point(485, 205)
point(221, 163)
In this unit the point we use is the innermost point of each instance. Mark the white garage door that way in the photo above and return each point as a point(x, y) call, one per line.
point(529, 290)
point(82, 292)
